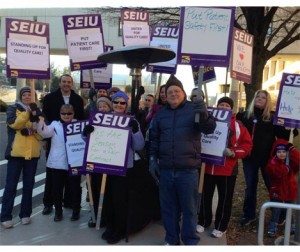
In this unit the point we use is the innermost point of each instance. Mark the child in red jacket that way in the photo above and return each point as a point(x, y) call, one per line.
point(282, 168)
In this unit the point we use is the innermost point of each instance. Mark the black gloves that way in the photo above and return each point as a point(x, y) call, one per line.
point(134, 125)
point(289, 146)
point(35, 112)
point(88, 129)
point(27, 131)
point(141, 90)
point(92, 93)
point(200, 108)
point(154, 168)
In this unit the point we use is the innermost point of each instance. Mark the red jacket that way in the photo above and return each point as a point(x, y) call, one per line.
point(284, 186)
point(240, 142)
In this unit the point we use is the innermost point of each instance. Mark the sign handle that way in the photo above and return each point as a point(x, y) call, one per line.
point(102, 189)
point(200, 81)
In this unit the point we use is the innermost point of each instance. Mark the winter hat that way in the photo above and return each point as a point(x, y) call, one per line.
point(279, 147)
point(120, 94)
point(113, 89)
point(24, 90)
point(106, 100)
point(173, 81)
point(227, 100)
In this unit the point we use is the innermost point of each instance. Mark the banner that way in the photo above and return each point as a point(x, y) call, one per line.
point(164, 37)
point(213, 145)
point(205, 36)
point(288, 103)
point(27, 49)
point(241, 60)
point(75, 146)
point(108, 145)
point(84, 37)
point(136, 29)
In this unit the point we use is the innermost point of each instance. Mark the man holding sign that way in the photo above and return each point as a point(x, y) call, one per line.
point(175, 160)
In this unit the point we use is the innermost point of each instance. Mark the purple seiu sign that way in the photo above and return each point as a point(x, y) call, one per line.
point(288, 103)
point(27, 49)
point(164, 37)
point(205, 36)
point(213, 145)
point(75, 146)
point(85, 42)
point(108, 145)
point(208, 74)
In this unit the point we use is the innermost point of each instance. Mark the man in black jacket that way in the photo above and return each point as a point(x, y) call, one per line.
point(51, 108)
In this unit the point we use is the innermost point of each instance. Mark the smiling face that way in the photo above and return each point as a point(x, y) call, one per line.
point(281, 154)
point(66, 84)
point(67, 113)
point(175, 96)
point(119, 105)
point(26, 98)
point(260, 100)
point(162, 95)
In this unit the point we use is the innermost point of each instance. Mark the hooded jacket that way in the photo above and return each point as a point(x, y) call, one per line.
point(284, 186)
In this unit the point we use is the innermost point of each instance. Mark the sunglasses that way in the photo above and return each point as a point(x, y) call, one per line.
point(66, 114)
point(119, 102)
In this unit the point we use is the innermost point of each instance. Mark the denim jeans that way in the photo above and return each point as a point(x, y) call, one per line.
point(179, 198)
point(14, 168)
point(251, 178)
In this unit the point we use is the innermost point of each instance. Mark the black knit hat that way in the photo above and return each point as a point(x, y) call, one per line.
point(227, 100)
point(173, 81)
point(24, 90)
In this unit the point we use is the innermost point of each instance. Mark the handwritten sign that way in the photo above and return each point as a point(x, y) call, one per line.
point(84, 36)
point(136, 29)
point(27, 49)
point(164, 37)
point(288, 104)
point(75, 146)
point(107, 145)
point(241, 60)
point(205, 36)
point(213, 145)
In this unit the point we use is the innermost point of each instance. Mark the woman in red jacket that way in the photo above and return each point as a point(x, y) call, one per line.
point(282, 168)
point(223, 177)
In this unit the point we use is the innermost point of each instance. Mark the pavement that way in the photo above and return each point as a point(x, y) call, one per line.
point(44, 231)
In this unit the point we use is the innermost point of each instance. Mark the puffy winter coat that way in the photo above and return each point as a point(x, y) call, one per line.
point(175, 138)
point(240, 142)
point(283, 185)
point(18, 145)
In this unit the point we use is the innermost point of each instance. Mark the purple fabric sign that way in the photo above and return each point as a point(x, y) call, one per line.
point(164, 37)
point(84, 37)
point(27, 49)
point(213, 145)
point(108, 145)
point(208, 74)
point(205, 35)
point(75, 146)
point(288, 103)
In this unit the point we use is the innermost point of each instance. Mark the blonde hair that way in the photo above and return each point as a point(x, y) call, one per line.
point(267, 110)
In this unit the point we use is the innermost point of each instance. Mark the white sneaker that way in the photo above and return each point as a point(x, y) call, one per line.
point(199, 229)
point(7, 224)
point(217, 233)
point(25, 220)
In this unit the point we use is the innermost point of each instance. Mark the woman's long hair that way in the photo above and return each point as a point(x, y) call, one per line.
point(267, 110)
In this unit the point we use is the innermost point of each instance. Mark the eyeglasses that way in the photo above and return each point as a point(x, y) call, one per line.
point(66, 114)
point(148, 100)
point(119, 102)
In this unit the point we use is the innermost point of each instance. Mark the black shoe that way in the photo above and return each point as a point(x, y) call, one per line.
point(75, 215)
point(107, 234)
point(87, 198)
point(91, 224)
point(47, 210)
point(115, 238)
point(58, 217)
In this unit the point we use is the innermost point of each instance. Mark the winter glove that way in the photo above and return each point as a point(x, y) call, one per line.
point(141, 90)
point(229, 153)
point(35, 112)
point(154, 168)
point(87, 130)
point(289, 146)
point(92, 93)
point(200, 108)
point(134, 125)
point(27, 131)
point(295, 132)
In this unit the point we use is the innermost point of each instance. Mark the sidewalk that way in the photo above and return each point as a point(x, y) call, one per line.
point(44, 231)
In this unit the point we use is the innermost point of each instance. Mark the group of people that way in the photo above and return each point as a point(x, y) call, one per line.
point(163, 166)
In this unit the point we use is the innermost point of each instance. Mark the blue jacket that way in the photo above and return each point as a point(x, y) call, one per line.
point(175, 137)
